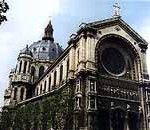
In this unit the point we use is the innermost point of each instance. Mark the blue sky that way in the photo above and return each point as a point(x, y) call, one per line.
point(28, 18)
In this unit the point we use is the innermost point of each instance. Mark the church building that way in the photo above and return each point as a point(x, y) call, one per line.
point(103, 68)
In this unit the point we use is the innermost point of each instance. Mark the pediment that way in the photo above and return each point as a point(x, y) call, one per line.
point(118, 23)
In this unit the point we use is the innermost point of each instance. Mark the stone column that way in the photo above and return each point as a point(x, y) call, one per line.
point(90, 52)
point(64, 70)
point(58, 76)
point(18, 94)
point(82, 53)
point(52, 78)
point(144, 65)
point(22, 67)
point(18, 66)
point(24, 95)
point(28, 65)
point(47, 83)
point(143, 105)
point(143, 48)
point(12, 94)
point(71, 62)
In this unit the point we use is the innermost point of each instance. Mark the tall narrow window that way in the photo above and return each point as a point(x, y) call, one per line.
point(21, 94)
point(25, 67)
point(32, 73)
point(92, 85)
point(20, 66)
point(29, 67)
point(15, 93)
point(67, 68)
point(45, 86)
point(41, 71)
point(78, 52)
point(41, 89)
point(37, 91)
point(55, 75)
point(61, 72)
point(49, 87)
point(78, 86)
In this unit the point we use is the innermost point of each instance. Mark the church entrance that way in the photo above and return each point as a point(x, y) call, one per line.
point(118, 119)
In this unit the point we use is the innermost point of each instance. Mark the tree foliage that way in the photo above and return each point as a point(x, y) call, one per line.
point(3, 8)
point(51, 112)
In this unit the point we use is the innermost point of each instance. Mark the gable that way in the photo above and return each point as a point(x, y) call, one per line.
point(117, 22)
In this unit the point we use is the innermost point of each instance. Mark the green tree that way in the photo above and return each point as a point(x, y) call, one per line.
point(3, 8)
point(6, 119)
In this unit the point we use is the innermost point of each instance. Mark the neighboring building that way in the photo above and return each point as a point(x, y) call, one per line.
point(105, 66)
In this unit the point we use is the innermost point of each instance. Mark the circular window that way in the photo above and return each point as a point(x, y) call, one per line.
point(44, 49)
point(113, 61)
point(34, 49)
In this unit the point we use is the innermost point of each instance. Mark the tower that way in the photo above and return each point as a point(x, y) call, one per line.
point(21, 80)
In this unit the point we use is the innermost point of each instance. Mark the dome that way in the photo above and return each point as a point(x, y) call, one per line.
point(45, 50)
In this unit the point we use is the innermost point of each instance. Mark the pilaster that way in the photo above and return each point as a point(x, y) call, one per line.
point(71, 62)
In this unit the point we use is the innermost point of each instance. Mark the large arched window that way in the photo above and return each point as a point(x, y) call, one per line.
point(22, 94)
point(41, 71)
point(61, 72)
point(15, 94)
point(55, 76)
point(20, 66)
point(25, 67)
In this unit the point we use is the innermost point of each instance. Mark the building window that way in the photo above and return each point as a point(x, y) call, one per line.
point(67, 68)
point(29, 68)
point(37, 90)
point(41, 71)
point(44, 86)
point(61, 72)
point(49, 87)
point(92, 86)
point(15, 94)
point(32, 73)
point(55, 76)
point(22, 94)
point(20, 66)
point(25, 67)
point(41, 89)
point(78, 52)
point(91, 102)
point(44, 49)
point(78, 102)
point(78, 86)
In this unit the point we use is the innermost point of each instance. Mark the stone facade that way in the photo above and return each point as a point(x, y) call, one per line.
point(105, 66)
